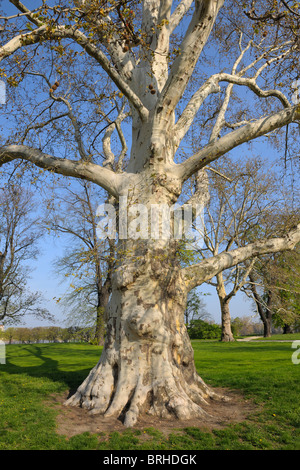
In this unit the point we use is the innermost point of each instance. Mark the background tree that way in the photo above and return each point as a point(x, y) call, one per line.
point(273, 279)
point(8, 334)
point(288, 293)
point(19, 234)
point(88, 262)
point(195, 308)
point(274, 285)
point(246, 326)
point(23, 335)
point(240, 198)
point(148, 52)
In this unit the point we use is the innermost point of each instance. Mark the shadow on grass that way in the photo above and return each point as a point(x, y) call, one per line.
point(68, 368)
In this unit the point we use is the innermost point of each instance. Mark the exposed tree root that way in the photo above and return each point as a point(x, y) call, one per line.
point(112, 393)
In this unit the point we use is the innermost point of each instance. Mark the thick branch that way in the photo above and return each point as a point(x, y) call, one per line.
point(250, 131)
point(187, 117)
point(179, 13)
point(84, 170)
point(62, 31)
point(75, 123)
point(212, 86)
point(250, 83)
point(155, 28)
point(197, 274)
point(190, 49)
point(235, 78)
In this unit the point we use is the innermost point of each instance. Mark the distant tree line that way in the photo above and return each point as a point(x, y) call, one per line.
point(242, 326)
point(50, 334)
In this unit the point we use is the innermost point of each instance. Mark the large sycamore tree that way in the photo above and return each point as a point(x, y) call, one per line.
point(163, 67)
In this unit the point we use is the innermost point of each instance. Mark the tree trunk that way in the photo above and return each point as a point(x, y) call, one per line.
point(264, 313)
point(147, 364)
point(103, 297)
point(226, 335)
point(268, 316)
point(267, 322)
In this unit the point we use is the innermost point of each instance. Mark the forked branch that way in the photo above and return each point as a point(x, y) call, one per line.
point(197, 274)
point(42, 34)
point(246, 133)
point(104, 177)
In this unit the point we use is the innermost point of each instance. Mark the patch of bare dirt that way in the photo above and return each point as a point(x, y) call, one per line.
point(74, 420)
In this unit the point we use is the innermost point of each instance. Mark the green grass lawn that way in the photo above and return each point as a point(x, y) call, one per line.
point(264, 372)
